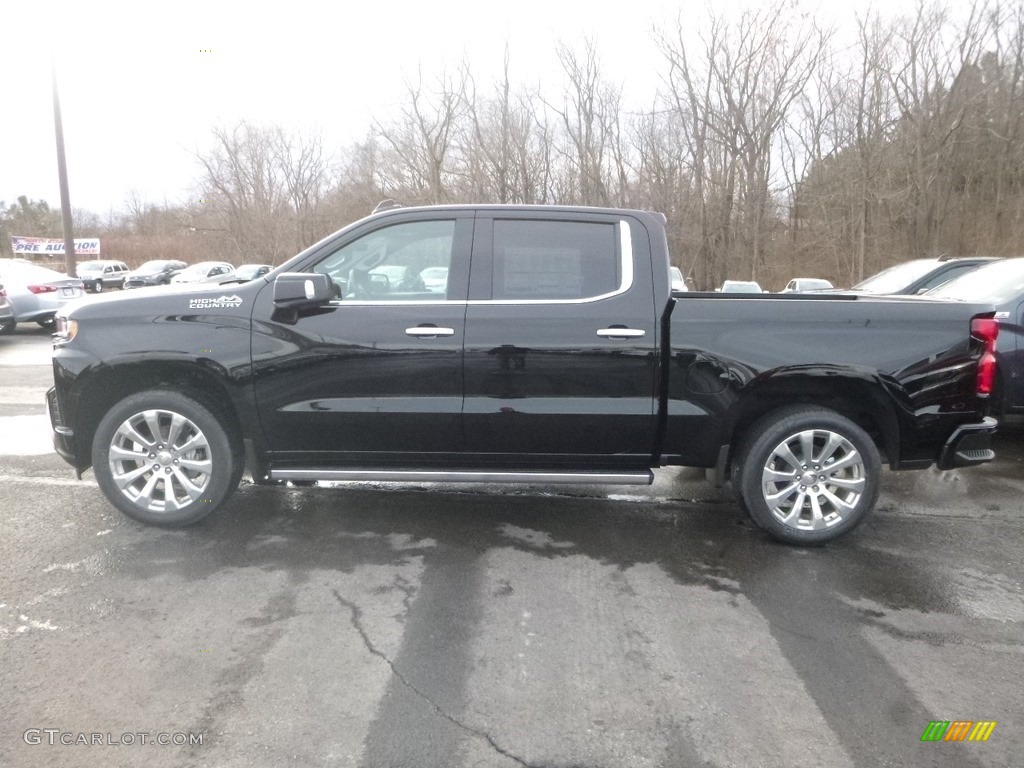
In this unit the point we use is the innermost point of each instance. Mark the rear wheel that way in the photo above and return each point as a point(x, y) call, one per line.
point(808, 475)
point(164, 459)
point(8, 326)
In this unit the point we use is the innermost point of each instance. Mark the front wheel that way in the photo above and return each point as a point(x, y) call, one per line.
point(48, 322)
point(808, 475)
point(98, 288)
point(163, 459)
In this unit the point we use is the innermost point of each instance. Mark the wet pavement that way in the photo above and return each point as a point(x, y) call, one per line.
point(381, 625)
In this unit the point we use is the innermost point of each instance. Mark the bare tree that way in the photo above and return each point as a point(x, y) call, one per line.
point(263, 187)
point(507, 147)
point(422, 138)
point(770, 149)
point(304, 174)
point(589, 120)
point(735, 94)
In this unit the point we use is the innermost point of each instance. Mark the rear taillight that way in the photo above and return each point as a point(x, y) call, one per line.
point(42, 288)
point(986, 330)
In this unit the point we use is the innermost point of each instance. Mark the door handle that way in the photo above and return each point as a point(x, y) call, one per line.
point(429, 331)
point(620, 333)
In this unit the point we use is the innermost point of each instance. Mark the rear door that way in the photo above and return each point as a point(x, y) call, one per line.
point(561, 341)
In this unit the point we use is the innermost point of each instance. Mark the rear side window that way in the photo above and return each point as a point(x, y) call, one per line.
point(554, 260)
point(945, 276)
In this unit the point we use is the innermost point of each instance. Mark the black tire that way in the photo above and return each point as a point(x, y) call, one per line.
point(98, 288)
point(173, 462)
point(8, 326)
point(48, 322)
point(807, 475)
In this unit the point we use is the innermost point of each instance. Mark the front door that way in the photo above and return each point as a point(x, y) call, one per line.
point(374, 377)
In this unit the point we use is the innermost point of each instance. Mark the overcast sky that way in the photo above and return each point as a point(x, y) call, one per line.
point(142, 84)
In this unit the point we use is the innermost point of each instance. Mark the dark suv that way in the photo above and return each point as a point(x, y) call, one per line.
point(919, 275)
point(157, 272)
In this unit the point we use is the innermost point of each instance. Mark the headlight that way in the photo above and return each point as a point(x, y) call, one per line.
point(66, 329)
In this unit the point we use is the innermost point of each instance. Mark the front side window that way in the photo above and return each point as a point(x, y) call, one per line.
point(554, 260)
point(403, 262)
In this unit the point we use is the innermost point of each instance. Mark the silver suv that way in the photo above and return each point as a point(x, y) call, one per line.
point(97, 275)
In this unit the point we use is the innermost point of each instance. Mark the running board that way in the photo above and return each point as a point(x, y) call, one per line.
point(645, 477)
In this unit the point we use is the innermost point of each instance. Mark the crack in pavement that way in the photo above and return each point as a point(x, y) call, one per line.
point(404, 586)
point(355, 617)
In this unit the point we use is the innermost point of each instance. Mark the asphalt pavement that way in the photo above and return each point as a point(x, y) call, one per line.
point(379, 625)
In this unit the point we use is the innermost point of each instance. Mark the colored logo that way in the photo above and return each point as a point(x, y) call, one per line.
point(958, 730)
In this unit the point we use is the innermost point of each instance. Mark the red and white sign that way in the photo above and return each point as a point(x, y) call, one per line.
point(51, 246)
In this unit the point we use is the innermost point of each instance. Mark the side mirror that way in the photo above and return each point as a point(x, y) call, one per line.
point(298, 290)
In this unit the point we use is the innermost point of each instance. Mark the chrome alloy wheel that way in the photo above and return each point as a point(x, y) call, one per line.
point(813, 479)
point(160, 460)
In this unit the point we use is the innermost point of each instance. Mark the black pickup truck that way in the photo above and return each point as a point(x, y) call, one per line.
point(514, 344)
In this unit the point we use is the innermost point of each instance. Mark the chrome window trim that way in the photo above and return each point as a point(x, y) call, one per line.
point(626, 262)
point(397, 303)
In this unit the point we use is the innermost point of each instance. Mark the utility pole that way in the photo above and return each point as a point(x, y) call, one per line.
point(62, 172)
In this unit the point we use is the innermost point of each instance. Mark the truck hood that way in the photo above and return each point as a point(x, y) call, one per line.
point(182, 298)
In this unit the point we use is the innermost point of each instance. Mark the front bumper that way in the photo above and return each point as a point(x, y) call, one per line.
point(970, 444)
point(63, 437)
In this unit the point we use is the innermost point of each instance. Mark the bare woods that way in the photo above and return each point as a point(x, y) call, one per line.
point(776, 148)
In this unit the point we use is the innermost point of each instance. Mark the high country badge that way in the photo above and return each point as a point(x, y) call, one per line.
point(220, 302)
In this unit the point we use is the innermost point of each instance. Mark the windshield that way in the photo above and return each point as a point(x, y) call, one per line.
point(248, 270)
point(90, 267)
point(896, 278)
point(995, 283)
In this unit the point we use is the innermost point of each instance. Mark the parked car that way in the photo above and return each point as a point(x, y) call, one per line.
point(248, 272)
point(97, 275)
point(156, 272)
point(205, 272)
point(435, 279)
point(740, 286)
point(7, 321)
point(400, 278)
point(560, 355)
point(806, 284)
point(919, 275)
point(1000, 283)
point(678, 282)
point(36, 293)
